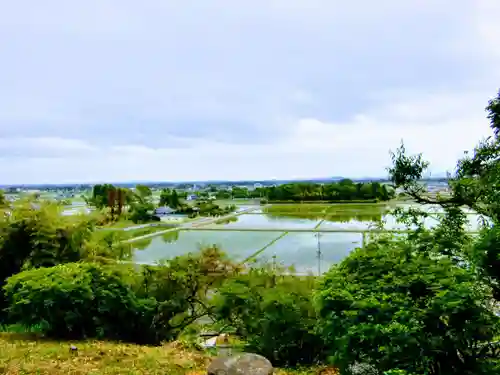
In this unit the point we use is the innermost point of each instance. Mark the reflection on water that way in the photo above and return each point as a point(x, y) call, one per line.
point(169, 237)
point(143, 244)
point(347, 216)
point(336, 216)
point(353, 216)
point(309, 252)
point(232, 219)
point(238, 245)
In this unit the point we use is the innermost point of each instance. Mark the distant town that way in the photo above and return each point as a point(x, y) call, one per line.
point(192, 188)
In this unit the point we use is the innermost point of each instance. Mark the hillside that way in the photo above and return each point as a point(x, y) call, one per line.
point(26, 355)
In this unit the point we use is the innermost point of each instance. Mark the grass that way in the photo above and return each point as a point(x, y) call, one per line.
point(236, 202)
point(126, 223)
point(329, 212)
point(22, 354)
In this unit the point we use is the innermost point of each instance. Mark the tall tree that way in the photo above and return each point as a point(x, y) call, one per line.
point(475, 184)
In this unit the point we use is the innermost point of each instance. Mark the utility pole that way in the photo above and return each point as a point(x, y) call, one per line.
point(319, 253)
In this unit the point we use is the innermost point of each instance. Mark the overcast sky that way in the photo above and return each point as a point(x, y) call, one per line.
point(102, 90)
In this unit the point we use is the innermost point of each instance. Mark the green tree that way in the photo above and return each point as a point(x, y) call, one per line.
point(75, 300)
point(174, 200)
point(3, 200)
point(475, 184)
point(37, 235)
point(273, 312)
point(164, 197)
point(146, 305)
point(223, 194)
point(143, 193)
point(393, 306)
point(100, 195)
point(181, 287)
point(239, 192)
point(141, 212)
point(170, 198)
point(344, 190)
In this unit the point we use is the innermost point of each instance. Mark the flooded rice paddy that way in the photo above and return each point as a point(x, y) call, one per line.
point(289, 235)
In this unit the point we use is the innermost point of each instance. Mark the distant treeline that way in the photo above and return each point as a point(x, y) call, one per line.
point(184, 185)
point(344, 190)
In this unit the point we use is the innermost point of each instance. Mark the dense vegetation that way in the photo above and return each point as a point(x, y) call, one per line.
point(422, 304)
point(138, 204)
point(344, 190)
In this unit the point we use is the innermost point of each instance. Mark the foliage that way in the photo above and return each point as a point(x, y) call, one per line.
point(108, 246)
point(180, 287)
point(75, 300)
point(37, 235)
point(153, 304)
point(205, 208)
point(170, 198)
point(143, 193)
point(223, 194)
point(273, 313)
point(238, 192)
point(141, 212)
point(3, 200)
point(344, 190)
point(475, 184)
point(141, 205)
point(486, 256)
point(392, 305)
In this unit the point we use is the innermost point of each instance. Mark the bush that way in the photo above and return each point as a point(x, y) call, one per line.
point(393, 306)
point(273, 313)
point(37, 235)
point(78, 300)
point(181, 287)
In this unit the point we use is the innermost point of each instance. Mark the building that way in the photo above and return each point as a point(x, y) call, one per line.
point(191, 197)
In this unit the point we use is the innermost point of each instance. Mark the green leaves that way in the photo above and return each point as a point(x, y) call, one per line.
point(493, 109)
point(273, 313)
point(72, 300)
point(474, 185)
point(406, 170)
point(393, 307)
point(344, 190)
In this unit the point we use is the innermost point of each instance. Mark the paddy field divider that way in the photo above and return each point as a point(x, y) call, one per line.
point(261, 250)
point(192, 225)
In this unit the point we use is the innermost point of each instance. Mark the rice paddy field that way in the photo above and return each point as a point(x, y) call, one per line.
point(308, 237)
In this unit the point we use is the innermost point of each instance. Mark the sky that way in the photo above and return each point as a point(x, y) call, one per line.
point(156, 90)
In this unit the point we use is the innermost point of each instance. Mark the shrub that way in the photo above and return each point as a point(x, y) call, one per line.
point(273, 313)
point(394, 307)
point(77, 300)
point(37, 235)
point(181, 287)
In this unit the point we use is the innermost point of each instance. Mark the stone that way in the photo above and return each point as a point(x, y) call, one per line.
point(241, 364)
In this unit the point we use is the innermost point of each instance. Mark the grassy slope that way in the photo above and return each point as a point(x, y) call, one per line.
point(21, 354)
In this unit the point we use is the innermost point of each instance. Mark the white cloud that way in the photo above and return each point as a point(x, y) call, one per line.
point(118, 90)
point(26, 147)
